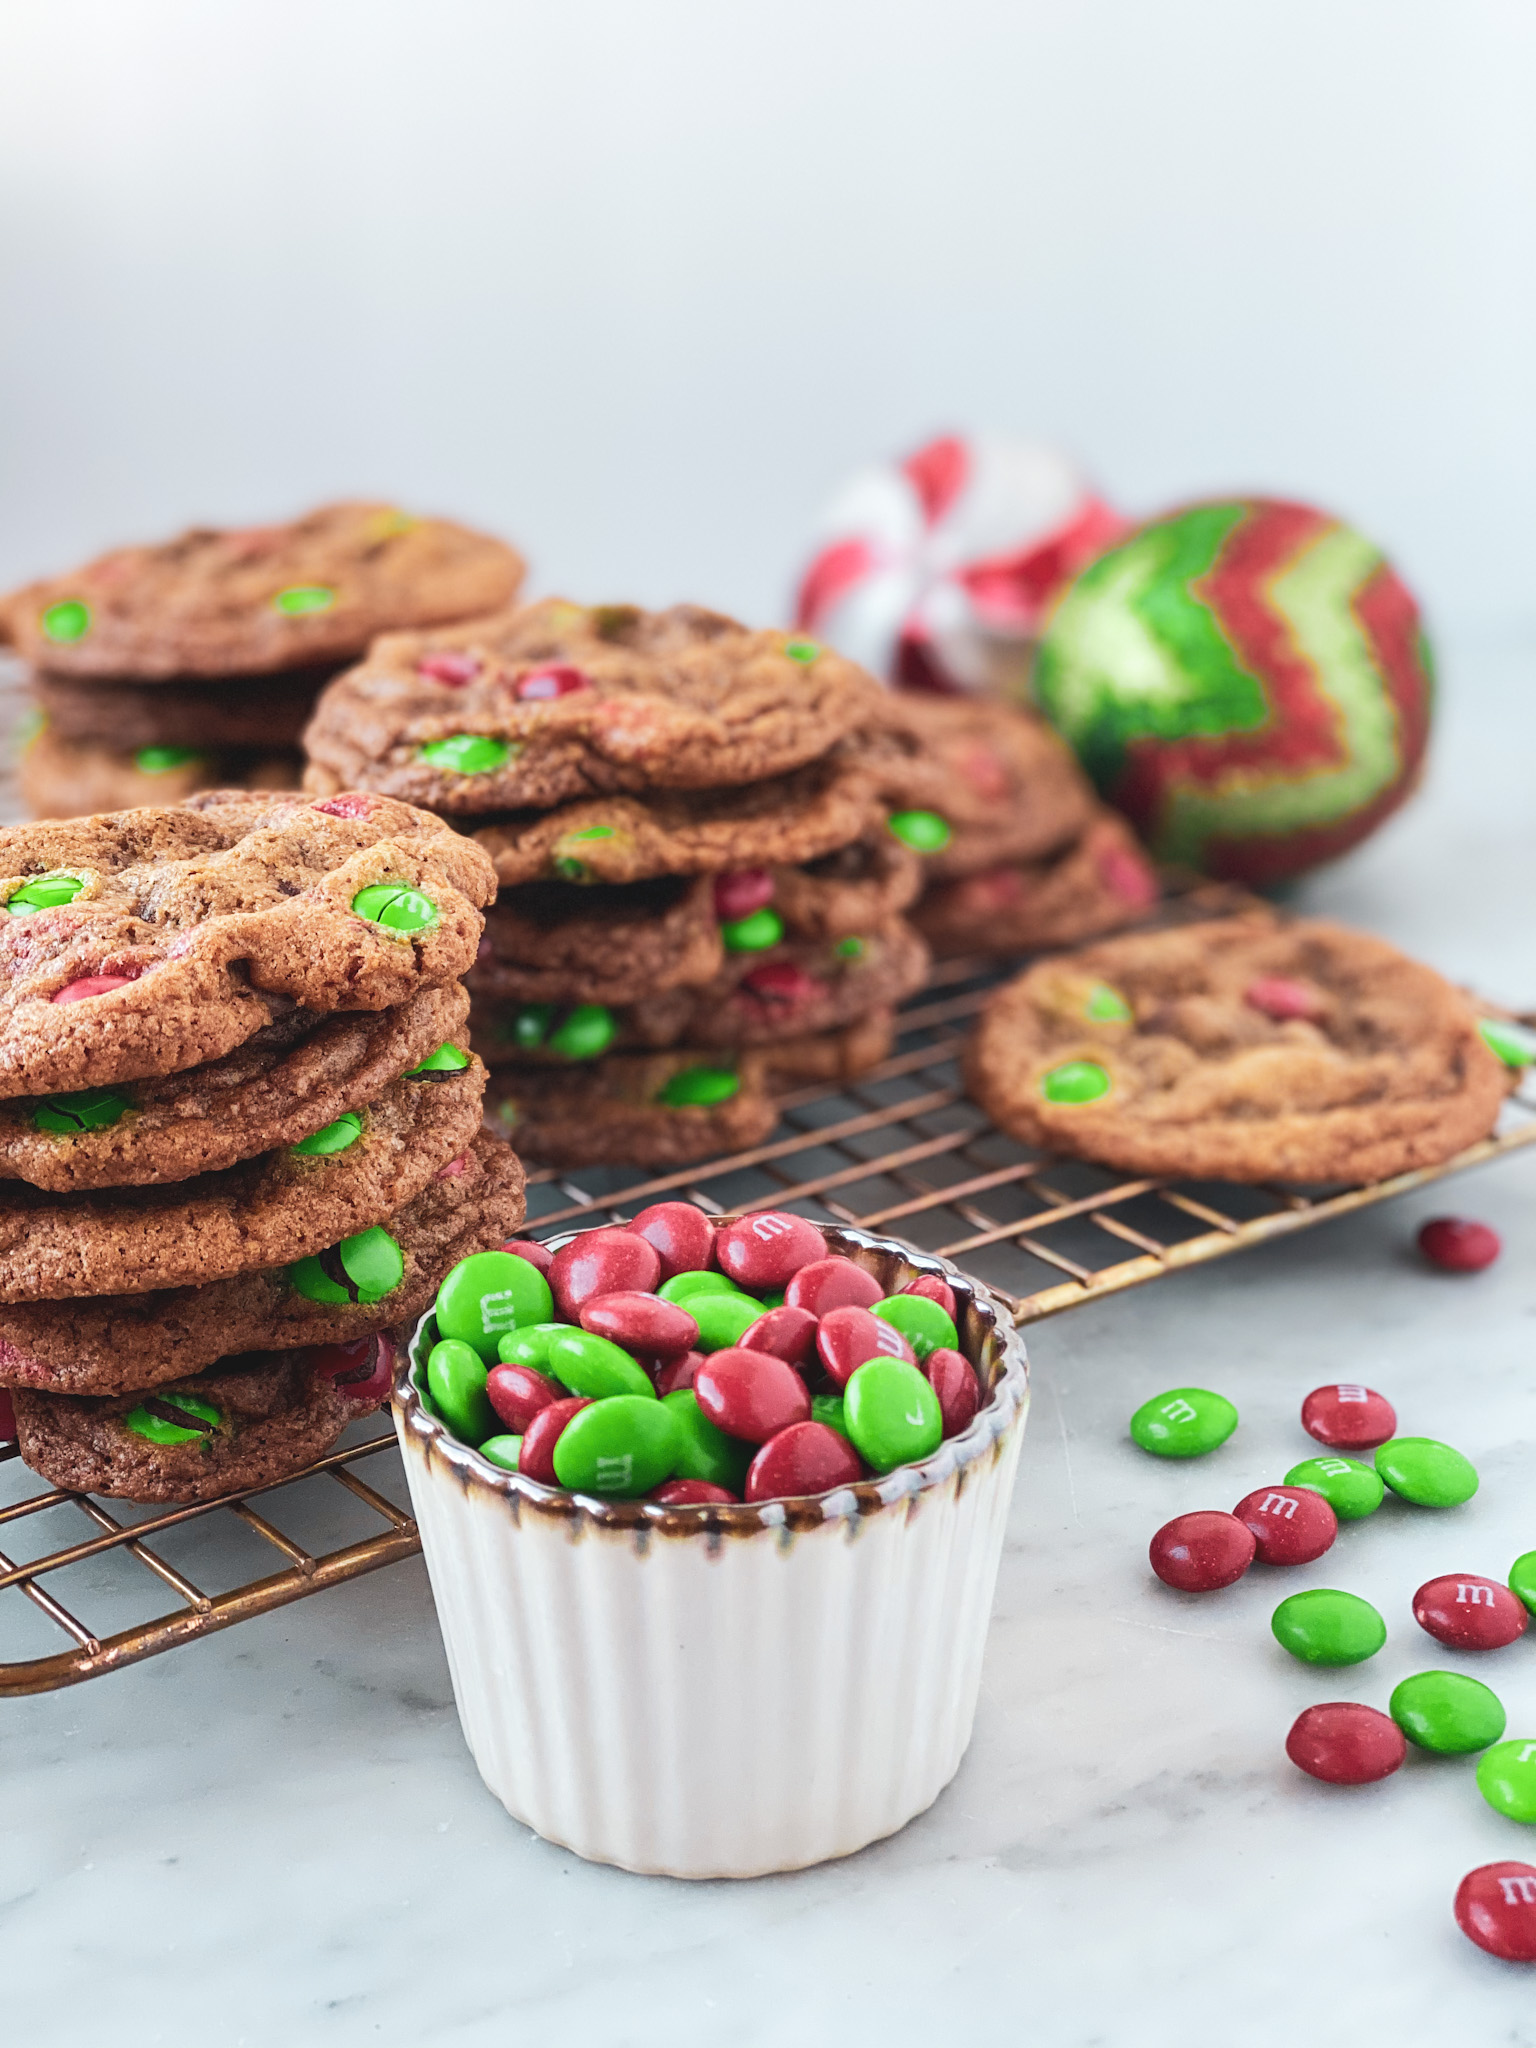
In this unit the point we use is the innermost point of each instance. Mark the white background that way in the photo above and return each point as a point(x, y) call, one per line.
point(637, 281)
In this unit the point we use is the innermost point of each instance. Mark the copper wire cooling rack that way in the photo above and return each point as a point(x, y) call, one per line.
point(901, 1149)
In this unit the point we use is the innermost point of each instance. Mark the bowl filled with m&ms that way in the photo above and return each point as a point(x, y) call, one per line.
point(713, 1509)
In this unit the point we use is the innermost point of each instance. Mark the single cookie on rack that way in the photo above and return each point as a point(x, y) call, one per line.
point(248, 1422)
point(235, 602)
point(144, 942)
point(282, 1086)
point(782, 819)
point(559, 701)
point(973, 783)
point(106, 1344)
point(1093, 885)
point(280, 1206)
point(1252, 1048)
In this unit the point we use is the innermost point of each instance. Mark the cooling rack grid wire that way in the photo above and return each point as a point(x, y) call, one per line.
point(900, 1150)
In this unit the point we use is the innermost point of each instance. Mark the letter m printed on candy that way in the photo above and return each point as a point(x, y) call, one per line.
point(1518, 1891)
point(498, 1312)
point(1354, 1393)
point(1178, 1411)
point(1278, 1504)
point(1473, 1596)
point(614, 1474)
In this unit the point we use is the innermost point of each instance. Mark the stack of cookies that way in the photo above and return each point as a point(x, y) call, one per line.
point(1018, 852)
point(157, 671)
point(240, 1128)
point(699, 894)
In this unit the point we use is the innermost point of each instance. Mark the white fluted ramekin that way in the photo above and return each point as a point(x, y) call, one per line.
point(724, 1691)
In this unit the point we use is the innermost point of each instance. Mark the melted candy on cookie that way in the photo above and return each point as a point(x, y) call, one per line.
point(1075, 1081)
point(362, 1268)
point(394, 906)
point(699, 1088)
point(467, 753)
point(93, 1109)
point(555, 679)
point(302, 598)
point(336, 1137)
point(46, 892)
point(173, 1418)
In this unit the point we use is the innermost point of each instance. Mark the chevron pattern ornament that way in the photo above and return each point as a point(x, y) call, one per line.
point(1248, 681)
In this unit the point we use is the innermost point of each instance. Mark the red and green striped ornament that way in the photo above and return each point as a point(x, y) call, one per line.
point(1248, 681)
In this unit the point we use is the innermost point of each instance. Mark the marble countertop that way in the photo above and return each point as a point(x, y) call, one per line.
point(277, 1836)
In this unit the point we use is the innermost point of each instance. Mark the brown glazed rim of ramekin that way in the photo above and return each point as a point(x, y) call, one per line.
point(988, 1337)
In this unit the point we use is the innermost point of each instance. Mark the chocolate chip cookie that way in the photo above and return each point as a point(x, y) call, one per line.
point(145, 942)
point(558, 702)
point(278, 1207)
point(250, 601)
point(1093, 885)
point(280, 1087)
point(247, 1423)
point(106, 1344)
point(1252, 1048)
point(780, 820)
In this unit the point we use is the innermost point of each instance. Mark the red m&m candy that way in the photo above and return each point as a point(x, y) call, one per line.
point(954, 1381)
point(675, 1373)
point(826, 1284)
point(1496, 1908)
point(1275, 995)
point(683, 1237)
point(602, 1262)
point(538, 1255)
point(1201, 1552)
point(807, 1457)
point(738, 895)
point(92, 985)
point(536, 1460)
point(452, 670)
point(1469, 1613)
point(789, 1333)
point(693, 1493)
point(847, 1338)
point(640, 1322)
point(1290, 1524)
point(1348, 1417)
point(1344, 1743)
point(1454, 1243)
point(542, 685)
point(934, 1289)
point(518, 1394)
point(763, 1253)
point(750, 1394)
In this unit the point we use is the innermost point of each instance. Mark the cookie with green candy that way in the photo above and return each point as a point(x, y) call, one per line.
point(1246, 1048)
point(556, 701)
point(247, 1421)
point(105, 1344)
point(68, 778)
point(197, 926)
point(285, 1084)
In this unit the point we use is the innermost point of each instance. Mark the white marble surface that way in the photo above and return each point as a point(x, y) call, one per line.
point(276, 1836)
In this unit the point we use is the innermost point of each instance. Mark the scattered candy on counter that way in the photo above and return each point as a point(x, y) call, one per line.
point(1351, 1489)
point(696, 1364)
point(1447, 1712)
point(1428, 1473)
point(1186, 1422)
point(1496, 1908)
point(1348, 1418)
point(1458, 1245)
point(1469, 1613)
point(1201, 1552)
point(1289, 1524)
point(1506, 1777)
point(1325, 1626)
point(1344, 1743)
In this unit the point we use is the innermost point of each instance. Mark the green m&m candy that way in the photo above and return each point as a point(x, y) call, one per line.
point(505, 1451)
point(334, 1137)
point(1514, 1046)
point(527, 1026)
point(1351, 1489)
point(44, 892)
point(925, 1325)
point(93, 1109)
point(456, 1376)
point(67, 621)
point(802, 650)
point(723, 1319)
point(529, 1345)
point(1522, 1579)
point(1447, 1712)
point(753, 933)
point(684, 1285)
point(437, 1066)
point(850, 949)
point(161, 1429)
point(1506, 1777)
point(361, 1268)
point(891, 1414)
point(585, 1034)
point(923, 831)
point(161, 760)
point(1075, 1081)
point(1106, 1005)
point(596, 1367)
point(302, 598)
point(828, 1408)
point(699, 1088)
point(1324, 1626)
point(466, 753)
point(1428, 1473)
point(1186, 1422)
point(705, 1451)
point(395, 907)
point(488, 1294)
point(622, 1448)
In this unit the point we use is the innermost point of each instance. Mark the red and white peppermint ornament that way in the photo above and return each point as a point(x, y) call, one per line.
point(936, 572)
